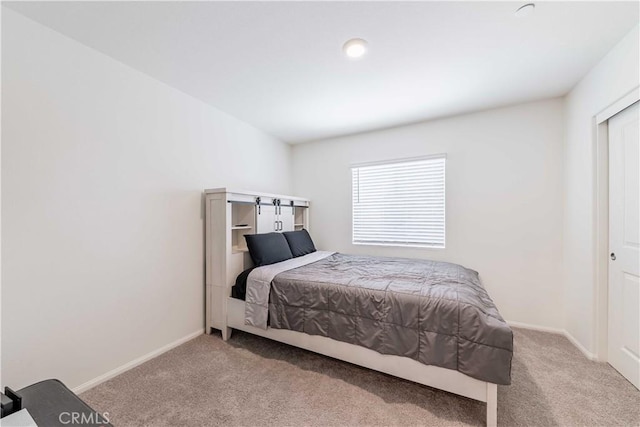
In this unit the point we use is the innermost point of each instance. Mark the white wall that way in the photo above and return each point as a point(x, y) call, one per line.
point(102, 173)
point(614, 76)
point(504, 198)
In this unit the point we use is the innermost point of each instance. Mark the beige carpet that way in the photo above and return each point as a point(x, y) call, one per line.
point(252, 381)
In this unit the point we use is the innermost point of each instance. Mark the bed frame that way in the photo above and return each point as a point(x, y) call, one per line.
point(398, 366)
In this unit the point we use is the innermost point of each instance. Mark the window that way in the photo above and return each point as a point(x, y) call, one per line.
point(400, 203)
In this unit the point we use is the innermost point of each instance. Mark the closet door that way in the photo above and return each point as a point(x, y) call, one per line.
point(624, 244)
point(286, 218)
point(266, 219)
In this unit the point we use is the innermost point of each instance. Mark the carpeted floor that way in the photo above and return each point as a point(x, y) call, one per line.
point(251, 381)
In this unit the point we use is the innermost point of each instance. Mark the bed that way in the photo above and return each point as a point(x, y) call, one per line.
point(425, 321)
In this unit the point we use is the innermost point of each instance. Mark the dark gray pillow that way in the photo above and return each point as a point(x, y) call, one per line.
point(300, 242)
point(268, 248)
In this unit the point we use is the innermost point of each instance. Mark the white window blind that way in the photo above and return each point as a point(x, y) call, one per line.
point(400, 203)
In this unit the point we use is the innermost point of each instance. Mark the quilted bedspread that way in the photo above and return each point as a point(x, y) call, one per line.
point(437, 313)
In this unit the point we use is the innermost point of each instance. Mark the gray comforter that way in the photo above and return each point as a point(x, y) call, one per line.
point(434, 312)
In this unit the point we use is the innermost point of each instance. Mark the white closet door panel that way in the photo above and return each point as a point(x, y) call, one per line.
point(624, 243)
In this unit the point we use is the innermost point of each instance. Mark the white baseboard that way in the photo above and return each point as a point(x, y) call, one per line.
point(536, 327)
point(135, 362)
point(566, 334)
point(580, 347)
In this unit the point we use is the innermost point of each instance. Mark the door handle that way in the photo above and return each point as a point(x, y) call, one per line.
point(275, 225)
point(613, 256)
point(280, 225)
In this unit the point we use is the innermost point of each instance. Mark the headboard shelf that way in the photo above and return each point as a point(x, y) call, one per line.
point(229, 216)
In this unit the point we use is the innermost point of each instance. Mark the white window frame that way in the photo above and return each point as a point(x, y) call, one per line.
point(400, 244)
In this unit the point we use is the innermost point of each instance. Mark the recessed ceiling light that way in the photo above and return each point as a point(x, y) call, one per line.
point(355, 48)
point(525, 10)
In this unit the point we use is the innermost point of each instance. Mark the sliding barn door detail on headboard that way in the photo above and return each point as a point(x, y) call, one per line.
point(229, 215)
point(275, 216)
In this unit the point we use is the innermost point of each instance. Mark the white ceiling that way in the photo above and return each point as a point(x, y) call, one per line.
point(279, 65)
